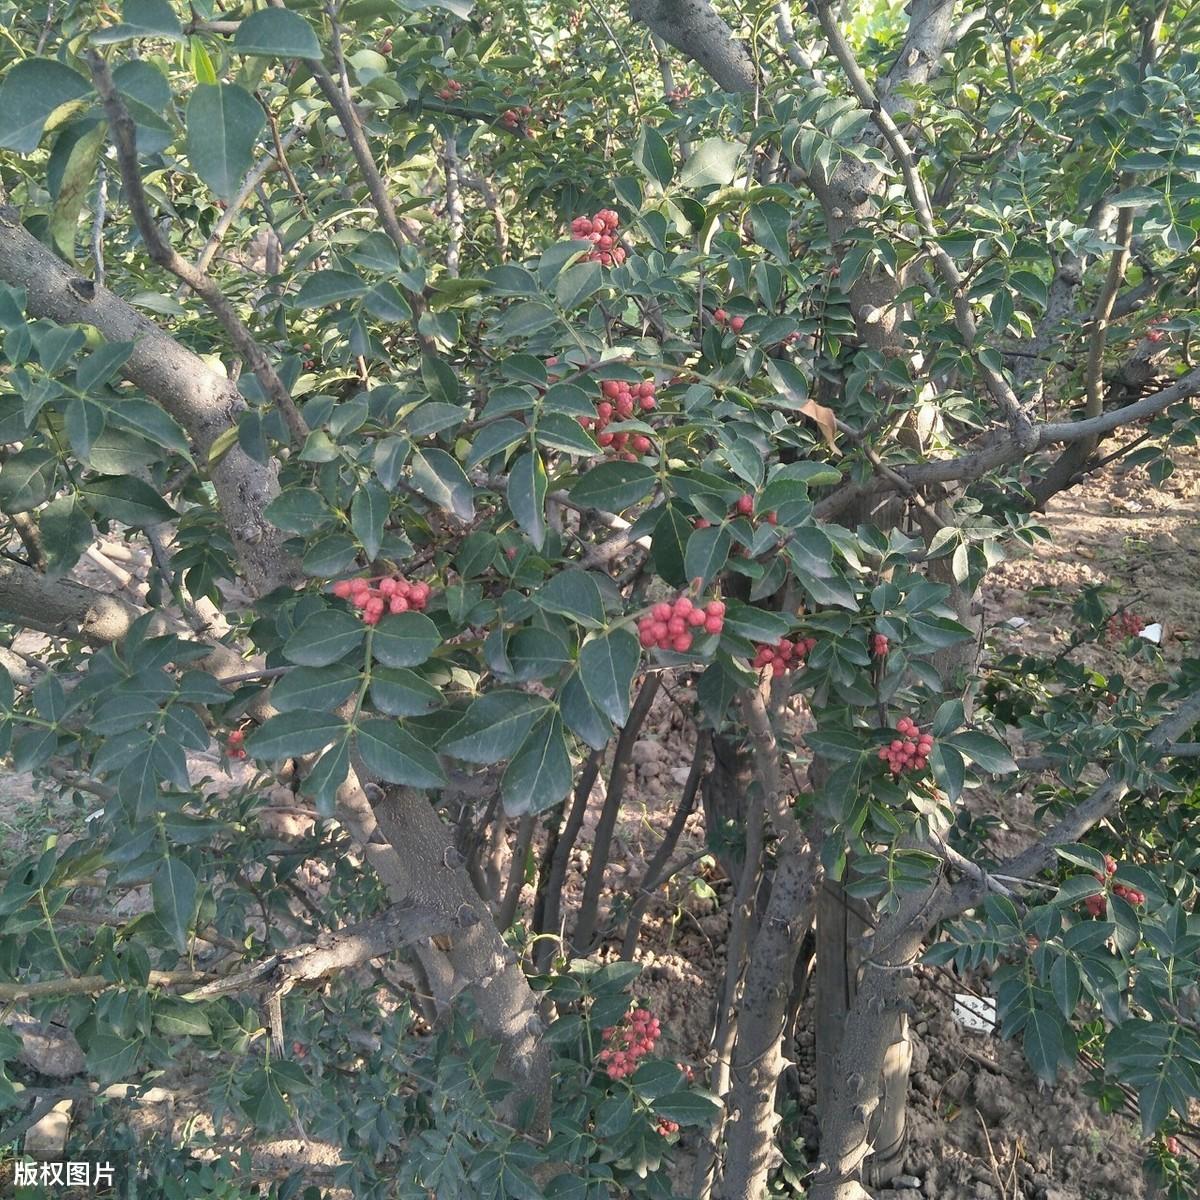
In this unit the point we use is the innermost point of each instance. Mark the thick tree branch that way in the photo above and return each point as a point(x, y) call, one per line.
point(696, 30)
point(204, 403)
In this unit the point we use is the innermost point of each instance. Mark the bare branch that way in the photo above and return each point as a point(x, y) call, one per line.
point(125, 137)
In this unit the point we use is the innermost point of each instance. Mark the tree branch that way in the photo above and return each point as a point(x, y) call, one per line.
point(125, 137)
point(204, 403)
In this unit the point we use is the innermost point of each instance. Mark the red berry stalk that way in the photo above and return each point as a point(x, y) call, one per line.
point(908, 752)
point(722, 318)
point(390, 594)
point(669, 626)
point(629, 1042)
point(233, 744)
point(785, 655)
point(601, 231)
point(620, 400)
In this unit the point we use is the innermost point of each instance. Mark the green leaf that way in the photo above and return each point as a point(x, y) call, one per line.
point(223, 124)
point(561, 432)
point(687, 1108)
point(577, 283)
point(368, 513)
point(178, 1018)
point(317, 689)
point(652, 156)
point(291, 734)
point(404, 639)
point(77, 178)
point(1044, 1044)
point(539, 774)
point(32, 91)
point(275, 32)
point(102, 365)
point(324, 288)
point(26, 479)
point(147, 420)
point(581, 715)
point(667, 545)
point(400, 693)
point(66, 533)
point(606, 665)
point(574, 594)
point(614, 486)
point(298, 510)
point(111, 1058)
point(439, 478)
point(125, 499)
point(985, 752)
point(527, 496)
point(713, 163)
point(84, 422)
point(142, 19)
point(325, 637)
point(494, 727)
point(757, 624)
point(707, 552)
point(770, 222)
point(174, 892)
point(392, 754)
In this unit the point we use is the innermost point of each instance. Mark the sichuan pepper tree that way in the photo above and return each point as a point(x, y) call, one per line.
point(466, 378)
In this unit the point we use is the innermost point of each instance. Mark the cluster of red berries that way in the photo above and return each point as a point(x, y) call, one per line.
point(677, 95)
point(666, 1128)
point(450, 90)
point(629, 1042)
point(1124, 625)
point(879, 645)
point(620, 400)
point(742, 507)
point(233, 744)
point(1097, 905)
point(723, 318)
point(1154, 334)
point(391, 594)
point(601, 231)
point(512, 117)
point(668, 625)
point(785, 655)
point(908, 752)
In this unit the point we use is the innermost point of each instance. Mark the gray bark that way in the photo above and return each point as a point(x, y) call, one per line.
point(204, 403)
point(695, 29)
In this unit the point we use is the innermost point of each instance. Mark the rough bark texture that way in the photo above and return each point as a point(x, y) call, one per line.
point(204, 403)
point(758, 1059)
point(695, 30)
point(419, 866)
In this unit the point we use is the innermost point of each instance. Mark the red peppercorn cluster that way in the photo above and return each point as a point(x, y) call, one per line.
point(724, 319)
point(233, 744)
point(677, 95)
point(450, 90)
point(785, 655)
point(512, 117)
point(908, 752)
point(619, 400)
point(601, 231)
point(1154, 334)
point(391, 594)
point(1097, 905)
point(669, 625)
point(879, 645)
point(666, 1128)
point(626, 1044)
point(1124, 624)
point(742, 507)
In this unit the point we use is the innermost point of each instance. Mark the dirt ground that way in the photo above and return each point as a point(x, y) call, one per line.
point(981, 1126)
